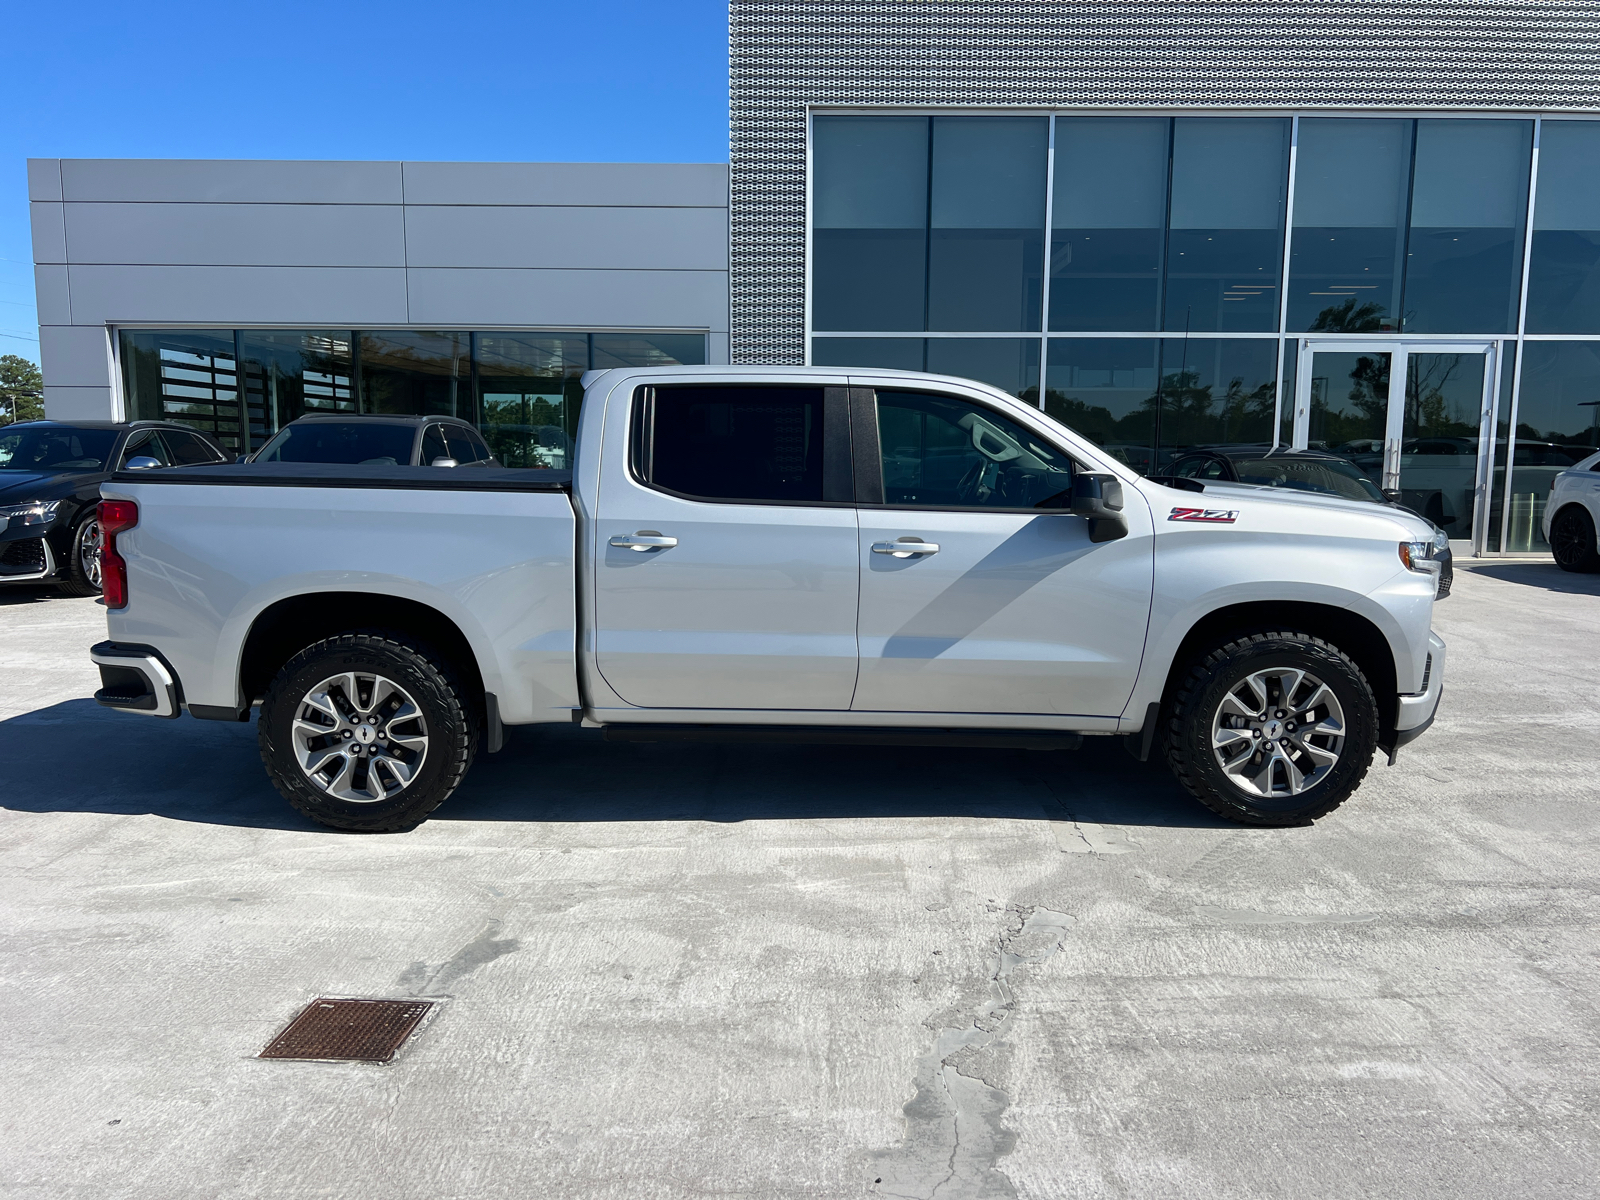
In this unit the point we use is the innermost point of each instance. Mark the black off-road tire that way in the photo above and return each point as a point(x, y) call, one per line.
point(1572, 540)
point(450, 725)
point(1198, 697)
point(71, 578)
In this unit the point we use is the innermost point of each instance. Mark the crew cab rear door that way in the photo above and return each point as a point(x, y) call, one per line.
point(725, 567)
point(973, 598)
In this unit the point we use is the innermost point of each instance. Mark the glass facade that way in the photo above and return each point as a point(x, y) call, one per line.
point(520, 388)
point(1159, 277)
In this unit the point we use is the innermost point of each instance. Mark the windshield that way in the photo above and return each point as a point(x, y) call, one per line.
point(55, 448)
point(370, 442)
point(1329, 476)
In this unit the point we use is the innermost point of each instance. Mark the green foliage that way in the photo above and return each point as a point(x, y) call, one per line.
point(21, 390)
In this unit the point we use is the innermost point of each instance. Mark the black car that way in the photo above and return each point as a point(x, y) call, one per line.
point(1299, 470)
point(50, 476)
point(377, 440)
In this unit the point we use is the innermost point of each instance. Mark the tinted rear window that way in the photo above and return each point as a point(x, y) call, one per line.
point(336, 442)
point(738, 443)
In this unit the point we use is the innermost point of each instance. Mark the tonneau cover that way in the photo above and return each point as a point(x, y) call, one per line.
point(347, 475)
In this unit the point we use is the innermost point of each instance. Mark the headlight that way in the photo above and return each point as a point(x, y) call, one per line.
point(1441, 542)
point(1420, 556)
point(37, 512)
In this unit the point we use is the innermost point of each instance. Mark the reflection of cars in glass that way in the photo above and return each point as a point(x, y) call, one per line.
point(1572, 514)
point(1299, 470)
point(50, 476)
point(377, 441)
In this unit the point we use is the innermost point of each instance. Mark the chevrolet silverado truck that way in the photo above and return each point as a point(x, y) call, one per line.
point(778, 554)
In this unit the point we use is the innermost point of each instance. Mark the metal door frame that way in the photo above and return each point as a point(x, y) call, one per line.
point(1399, 351)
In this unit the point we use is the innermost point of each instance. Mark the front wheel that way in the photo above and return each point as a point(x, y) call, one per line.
point(1274, 728)
point(365, 731)
point(1572, 540)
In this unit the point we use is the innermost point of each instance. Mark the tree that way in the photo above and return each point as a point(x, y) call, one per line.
point(21, 390)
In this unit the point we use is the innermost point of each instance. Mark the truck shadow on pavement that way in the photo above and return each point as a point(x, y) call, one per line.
point(78, 757)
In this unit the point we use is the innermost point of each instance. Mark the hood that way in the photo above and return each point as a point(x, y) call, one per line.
point(18, 487)
point(1217, 490)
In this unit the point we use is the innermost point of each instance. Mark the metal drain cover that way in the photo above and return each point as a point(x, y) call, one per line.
point(363, 1030)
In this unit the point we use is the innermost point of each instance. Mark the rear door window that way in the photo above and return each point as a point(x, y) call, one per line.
point(465, 446)
point(751, 444)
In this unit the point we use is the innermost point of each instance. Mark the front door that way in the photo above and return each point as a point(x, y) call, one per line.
point(725, 571)
point(1410, 414)
point(973, 598)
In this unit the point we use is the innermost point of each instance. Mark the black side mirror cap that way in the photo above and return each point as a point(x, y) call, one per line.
point(1098, 499)
point(1392, 495)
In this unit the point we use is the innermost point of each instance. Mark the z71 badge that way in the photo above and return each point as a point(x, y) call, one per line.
point(1209, 516)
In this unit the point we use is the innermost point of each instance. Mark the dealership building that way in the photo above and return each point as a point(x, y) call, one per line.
point(1368, 227)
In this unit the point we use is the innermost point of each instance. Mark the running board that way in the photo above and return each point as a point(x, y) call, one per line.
point(999, 739)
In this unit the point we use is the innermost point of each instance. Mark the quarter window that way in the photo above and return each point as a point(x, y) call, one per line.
point(940, 452)
point(755, 444)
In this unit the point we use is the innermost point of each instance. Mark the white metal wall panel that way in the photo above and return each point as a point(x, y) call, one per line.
point(1111, 54)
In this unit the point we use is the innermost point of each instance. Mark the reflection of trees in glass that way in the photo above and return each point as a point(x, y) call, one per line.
point(525, 428)
point(1427, 407)
point(1349, 317)
point(1188, 412)
point(1368, 397)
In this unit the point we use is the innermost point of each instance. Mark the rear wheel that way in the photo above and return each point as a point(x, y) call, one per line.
point(1572, 540)
point(366, 731)
point(80, 574)
point(1273, 728)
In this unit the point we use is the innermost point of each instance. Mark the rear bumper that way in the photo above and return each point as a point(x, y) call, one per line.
point(136, 678)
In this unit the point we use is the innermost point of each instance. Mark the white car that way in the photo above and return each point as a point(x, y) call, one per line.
point(779, 554)
point(1572, 514)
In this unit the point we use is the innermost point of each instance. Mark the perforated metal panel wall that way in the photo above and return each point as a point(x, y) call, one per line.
point(1341, 54)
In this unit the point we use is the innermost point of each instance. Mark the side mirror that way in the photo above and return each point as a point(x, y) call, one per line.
point(1098, 499)
point(443, 462)
point(1392, 495)
point(141, 462)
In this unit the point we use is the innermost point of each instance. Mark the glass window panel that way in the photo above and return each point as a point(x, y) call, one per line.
point(1216, 391)
point(942, 452)
point(986, 241)
point(1350, 407)
point(529, 392)
point(1105, 390)
point(738, 443)
point(1464, 256)
point(1291, 359)
point(1109, 222)
point(183, 375)
point(1558, 423)
point(1564, 272)
point(288, 373)
point(1439, 437)
point(1229, 176)
point(648, 349)
point(359, 440)
point(899, 354)
point(433, 445)
point(1010, 364)
point(1352, 176)
point(418, 373)
point(869, 222)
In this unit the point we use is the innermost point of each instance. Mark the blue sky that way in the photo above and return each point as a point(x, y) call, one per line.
point(598, 81)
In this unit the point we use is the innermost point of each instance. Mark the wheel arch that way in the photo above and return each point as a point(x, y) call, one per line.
point(1351, 632)
point(284, 628)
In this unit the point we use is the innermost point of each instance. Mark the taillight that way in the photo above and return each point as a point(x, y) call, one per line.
point(115, 516)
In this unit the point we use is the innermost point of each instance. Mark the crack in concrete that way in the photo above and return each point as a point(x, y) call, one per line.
point(954, 1139)
point(485, 948)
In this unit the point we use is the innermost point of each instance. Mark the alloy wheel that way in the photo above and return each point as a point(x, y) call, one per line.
point(90, 540)
point(1278, 732)
point(1569, 539)
point(360, 737)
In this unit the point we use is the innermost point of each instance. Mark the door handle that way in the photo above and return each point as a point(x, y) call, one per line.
point(645, 539)
point(906, 547)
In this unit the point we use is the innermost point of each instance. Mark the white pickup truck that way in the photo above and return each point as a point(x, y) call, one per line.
point(788, 554)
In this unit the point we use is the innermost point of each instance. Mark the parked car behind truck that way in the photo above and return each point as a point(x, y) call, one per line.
point(774, 553)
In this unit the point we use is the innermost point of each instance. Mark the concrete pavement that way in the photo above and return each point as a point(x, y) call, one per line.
point(681, 971)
